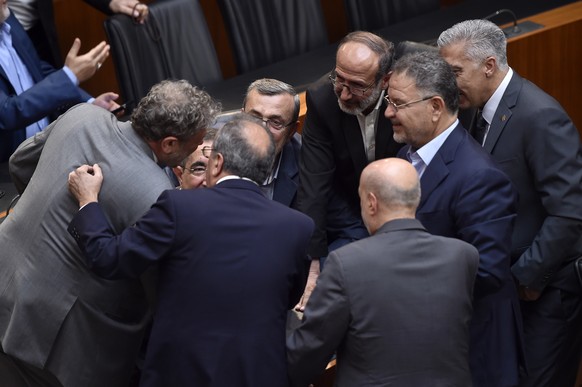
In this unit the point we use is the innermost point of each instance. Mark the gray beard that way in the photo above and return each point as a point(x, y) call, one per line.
point(363, 104)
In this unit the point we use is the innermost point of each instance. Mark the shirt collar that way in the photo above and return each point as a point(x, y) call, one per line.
point(430, 149)
point(233, 177)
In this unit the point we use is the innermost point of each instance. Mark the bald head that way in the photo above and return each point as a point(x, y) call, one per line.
point(389, 189)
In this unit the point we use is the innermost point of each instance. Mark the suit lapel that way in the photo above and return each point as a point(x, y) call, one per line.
point(285, 188)
point(433, 175)
point(24, 48)
point(503, 112)
point(355, 143)
point(383, 133)
point(437, 170)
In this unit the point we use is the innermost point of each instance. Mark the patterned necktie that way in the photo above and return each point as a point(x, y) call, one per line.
point(479, 127)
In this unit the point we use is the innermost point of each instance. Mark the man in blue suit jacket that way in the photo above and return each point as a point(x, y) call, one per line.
point(231, 265)
point(535, 142)
point(31, 91)
point(464, 195)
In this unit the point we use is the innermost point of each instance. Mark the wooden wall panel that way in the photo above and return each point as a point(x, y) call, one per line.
point(551, 57)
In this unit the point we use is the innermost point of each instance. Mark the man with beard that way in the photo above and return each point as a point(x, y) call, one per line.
point(344, 131)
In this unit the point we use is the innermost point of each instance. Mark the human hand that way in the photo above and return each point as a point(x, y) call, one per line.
point(85, 66)
point(310, 285)
point(138, 11)
point(527, 294)
point(107, 101)
point(85, 183)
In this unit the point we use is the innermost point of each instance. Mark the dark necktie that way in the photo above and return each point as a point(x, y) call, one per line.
point(479, 127)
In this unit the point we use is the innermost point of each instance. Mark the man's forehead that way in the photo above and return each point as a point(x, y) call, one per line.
point(402, 83)
point(356, 57)
point(279, 104)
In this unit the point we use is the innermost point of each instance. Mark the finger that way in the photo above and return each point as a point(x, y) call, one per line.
point(136, 11)
point(74, 50)
point(300, 307)
point(97, 170)
point(99, 50)
point(110, 96)
point(103, 57)
point(82, 169)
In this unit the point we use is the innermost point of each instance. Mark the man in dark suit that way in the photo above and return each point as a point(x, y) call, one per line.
point(344, 130)
point(231, 265)
point(466, 196)
point(396, 305)
point(31, 91)
point(534, 141)
point(56, 317)
point(277, 105)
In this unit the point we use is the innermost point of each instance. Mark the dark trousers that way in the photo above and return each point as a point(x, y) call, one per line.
point(16, 373)
point(344, 224)
point(553, 339)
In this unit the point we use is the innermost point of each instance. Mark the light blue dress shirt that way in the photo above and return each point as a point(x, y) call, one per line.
point(18, 74)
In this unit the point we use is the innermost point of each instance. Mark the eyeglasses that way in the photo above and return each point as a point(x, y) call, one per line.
point(196, 170)
point(403, 105)
point(206, 150)
point(355, 90)
point(273, 124)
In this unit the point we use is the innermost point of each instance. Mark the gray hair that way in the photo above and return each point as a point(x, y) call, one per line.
point(393, 194)
point(482, 39)
point(241, 156)
point(174, 108)
point(382, 47)
point(269, 86)
point(431, 75)
point(210, 134)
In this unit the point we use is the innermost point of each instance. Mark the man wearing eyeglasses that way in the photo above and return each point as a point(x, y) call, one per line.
point(228, 274)
point(466, 196)
point(277, 104)
point(344, 130)
point(191, 173)
point(60, 325)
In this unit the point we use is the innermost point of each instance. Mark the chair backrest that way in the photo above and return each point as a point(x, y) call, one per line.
point(174, 43)
point(262, 32)
point(369, 15)
point(408, 47)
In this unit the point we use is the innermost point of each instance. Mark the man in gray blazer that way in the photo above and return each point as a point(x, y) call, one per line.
point(58, 321)
point(536, 144)
point(396, 306)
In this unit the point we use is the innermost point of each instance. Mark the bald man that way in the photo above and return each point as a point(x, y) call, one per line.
point(396, 306)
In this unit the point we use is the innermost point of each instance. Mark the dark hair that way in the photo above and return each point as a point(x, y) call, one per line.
point(431, 75)
point(174, 108)
point(382, 47)
point(241, 155)
point(268, 86)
